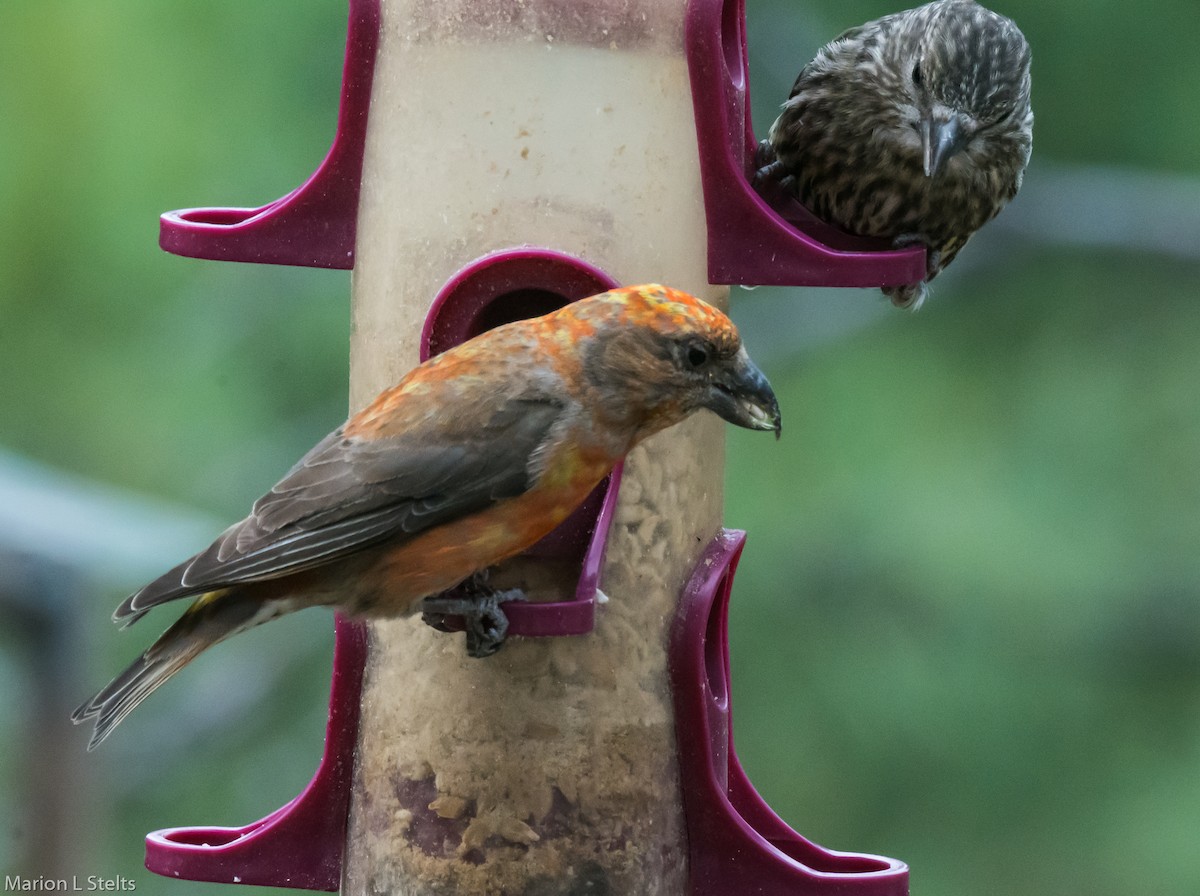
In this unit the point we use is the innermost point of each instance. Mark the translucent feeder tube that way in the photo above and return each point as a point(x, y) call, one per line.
point(550, 767)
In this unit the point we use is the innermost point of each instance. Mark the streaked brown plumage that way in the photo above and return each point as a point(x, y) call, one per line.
point(915, 127)
point(474, 456)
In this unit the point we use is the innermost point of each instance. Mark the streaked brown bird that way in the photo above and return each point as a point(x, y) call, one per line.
point(471, 458)
point(915, 128)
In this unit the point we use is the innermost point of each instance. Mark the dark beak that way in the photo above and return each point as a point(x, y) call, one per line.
point(941, 138)
point(740, 394)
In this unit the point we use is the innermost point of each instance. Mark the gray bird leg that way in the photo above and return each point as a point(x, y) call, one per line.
point(484, 621)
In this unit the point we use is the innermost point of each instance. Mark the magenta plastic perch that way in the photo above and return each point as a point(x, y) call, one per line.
point(736, 844)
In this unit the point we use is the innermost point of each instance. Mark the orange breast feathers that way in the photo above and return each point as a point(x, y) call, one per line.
point(434, 560)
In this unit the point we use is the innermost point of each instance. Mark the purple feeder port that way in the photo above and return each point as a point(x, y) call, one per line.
point(314, 225)
point(736, 844)
point(509, 285)
point(300, 844)
point(752, 241)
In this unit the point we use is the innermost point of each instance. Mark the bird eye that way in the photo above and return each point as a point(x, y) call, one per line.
point(917, 77)
point(697, 356)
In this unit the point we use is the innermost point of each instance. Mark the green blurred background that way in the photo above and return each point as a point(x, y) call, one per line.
point(965, 631)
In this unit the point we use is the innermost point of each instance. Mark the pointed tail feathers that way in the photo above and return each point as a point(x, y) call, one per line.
point(211, 618)
point(167, 587)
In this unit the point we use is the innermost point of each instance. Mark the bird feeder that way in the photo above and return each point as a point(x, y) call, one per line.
point(495, 161)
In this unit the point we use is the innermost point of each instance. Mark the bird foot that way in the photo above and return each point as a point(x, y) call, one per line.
point(764, 155)
point(770, 172)
point(483, 619)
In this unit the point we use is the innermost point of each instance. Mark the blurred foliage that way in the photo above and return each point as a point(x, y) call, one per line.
point(965, 629)
point(968, 635)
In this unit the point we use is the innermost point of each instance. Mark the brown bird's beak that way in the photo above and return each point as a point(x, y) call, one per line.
point(941, 138)
point(740, 394)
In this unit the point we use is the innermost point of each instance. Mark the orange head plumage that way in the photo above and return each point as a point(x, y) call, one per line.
point(651, 355)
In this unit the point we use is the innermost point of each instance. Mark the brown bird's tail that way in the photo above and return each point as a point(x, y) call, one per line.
point(211, 618)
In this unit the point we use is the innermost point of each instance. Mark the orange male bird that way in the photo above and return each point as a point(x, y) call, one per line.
point(470, 459)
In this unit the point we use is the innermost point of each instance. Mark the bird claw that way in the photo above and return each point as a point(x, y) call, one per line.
point(770, 172)
point(764, 156)
point(484, 621)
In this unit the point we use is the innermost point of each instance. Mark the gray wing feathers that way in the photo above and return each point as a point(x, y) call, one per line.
point(348, 494)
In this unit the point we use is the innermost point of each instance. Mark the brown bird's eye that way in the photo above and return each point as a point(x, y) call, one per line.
point(697, 356)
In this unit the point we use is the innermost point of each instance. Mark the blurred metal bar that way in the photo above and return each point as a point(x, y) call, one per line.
point(61, 538)
point(113, 537)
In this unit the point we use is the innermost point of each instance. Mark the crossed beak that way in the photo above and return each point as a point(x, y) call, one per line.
point(741, 395)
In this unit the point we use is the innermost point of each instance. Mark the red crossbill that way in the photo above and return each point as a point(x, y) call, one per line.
point(915, 128)
point(471, 458)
